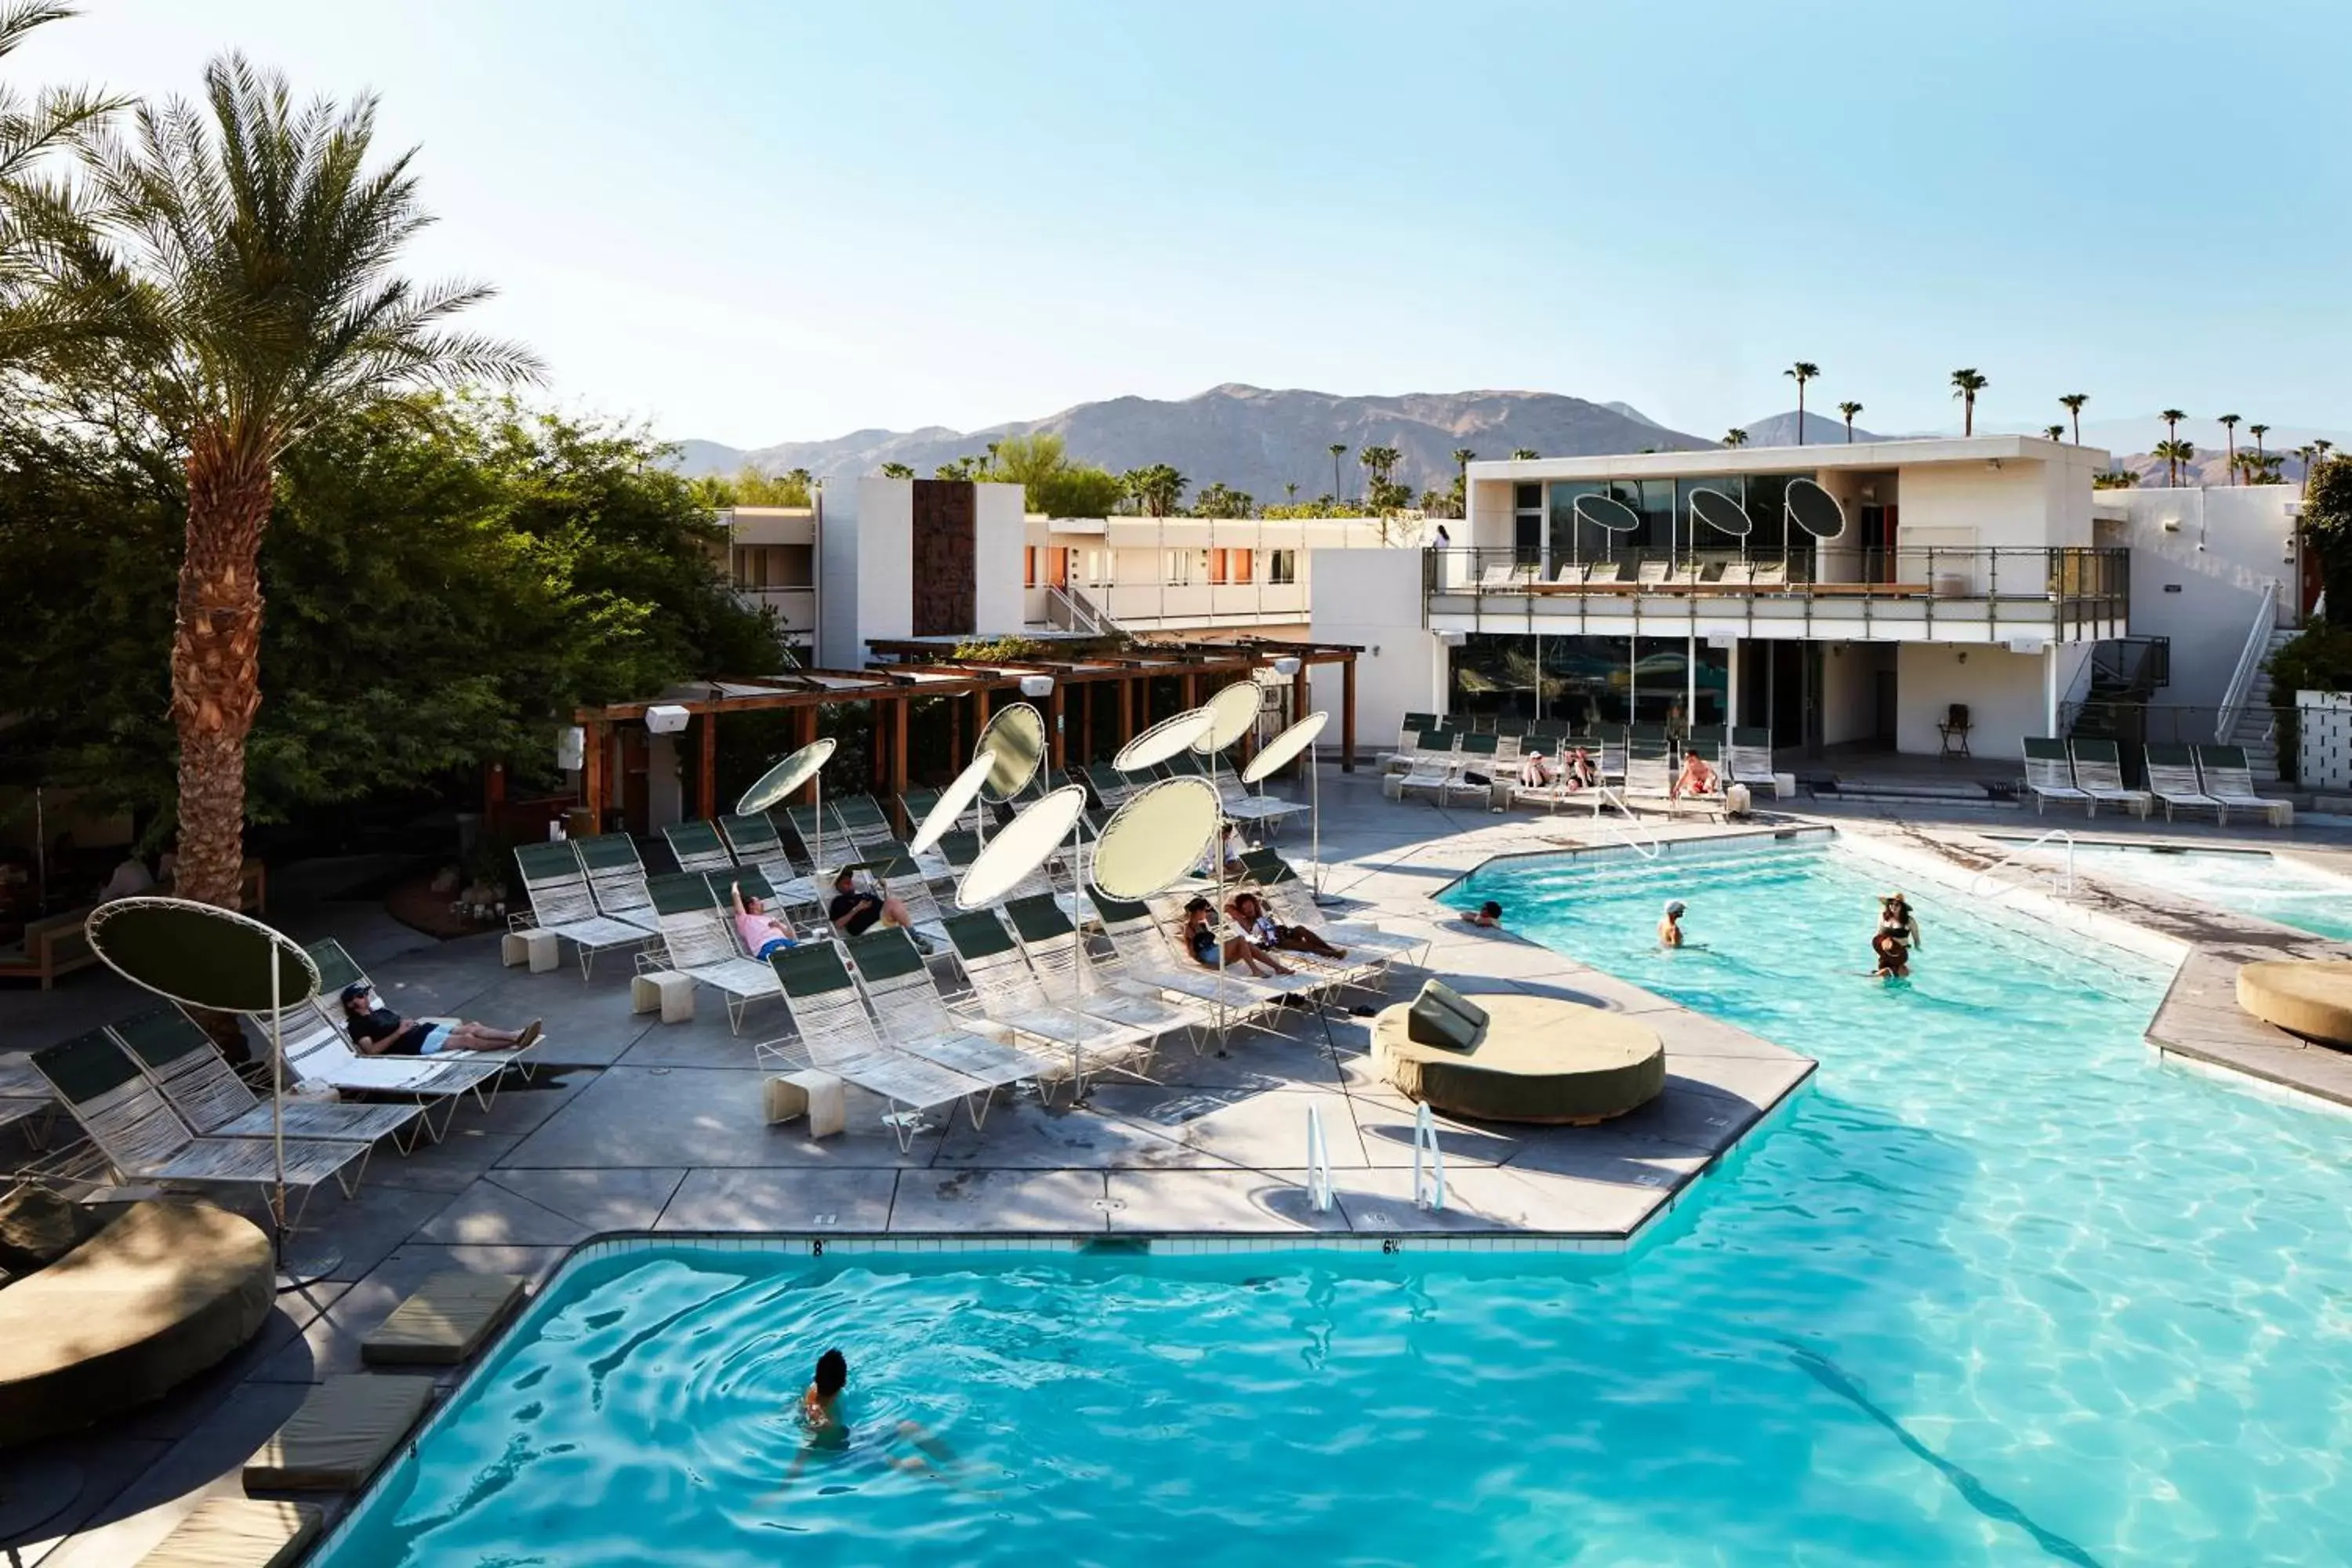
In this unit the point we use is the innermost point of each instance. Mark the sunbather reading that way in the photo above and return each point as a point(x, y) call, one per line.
point(762, 933)
point(381, 1032)
point(854, 910)
point(1200, 941)
point(1248, 911)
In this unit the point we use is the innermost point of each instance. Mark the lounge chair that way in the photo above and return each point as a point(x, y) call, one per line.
point(1477, 765)
point(2172, 779)
point(1005, 991)
point(916, 801)
point(1747, 759)
point(180, 1059)
point(916, 1018)
point(1771, 574)
point(1649, 774)
point(697, 847)
point(1069, 979)
point(757, 844)
point(337, 968)
point(1653, 573)
point(2050, 775)
point(1429, 767)
point(1735, 575)
point(698, 940)
point(616, 879)
point(1303, 981)
point(1110, 787)
point(318, 1050)
point(1285, 894)
point(1712, 800)
point(1572, 574)
point(833, 1033)
point(2229, 780)
point(2099, 773)
point(144, 1140)
point(1141, 956)
point(862, 818)
point(818, 829)
point(561, 903)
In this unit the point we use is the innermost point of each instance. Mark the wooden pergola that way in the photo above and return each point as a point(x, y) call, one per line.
point(918, 669)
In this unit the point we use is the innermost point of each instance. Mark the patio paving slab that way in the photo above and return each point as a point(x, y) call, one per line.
point(532, 1207)
point(652, 1116)
point(1023, 1134)
point(794, 1200)
point(998, 1201)
point(1261, 1130)
point(1214, 1202)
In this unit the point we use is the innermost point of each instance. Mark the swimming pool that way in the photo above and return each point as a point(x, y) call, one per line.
point(2250, 881)
point(1996, 1291)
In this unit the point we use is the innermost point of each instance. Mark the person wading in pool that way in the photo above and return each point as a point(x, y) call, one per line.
point(1670, 926)
point(1487, 916)
point(1894, 958)
point(1895, 915)
point(828, 1429)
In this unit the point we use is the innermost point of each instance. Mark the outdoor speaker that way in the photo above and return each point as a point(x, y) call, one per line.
point(666, 720)
point(570, 748)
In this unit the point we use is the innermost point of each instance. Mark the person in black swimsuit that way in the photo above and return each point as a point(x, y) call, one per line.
point(379, 1031)
point(1200, 941)
point(1894, 958)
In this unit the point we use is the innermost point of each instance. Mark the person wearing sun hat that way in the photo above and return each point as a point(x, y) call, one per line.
point(1895, 915)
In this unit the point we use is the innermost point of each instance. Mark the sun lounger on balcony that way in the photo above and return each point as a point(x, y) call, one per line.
point(2172, 779)
point(2050, 775)
point(697, 847)
point(180, 1059)
point(1653, 573)
point(699, 939)
point(1572, 574)
point(833, 1032)
point(916, 1018)
point(562, 904)
point(1771, 574)
point(2099, 773)
point(144, 1140)
point(616, 879)
point(1735, 575)
point(2229, 780)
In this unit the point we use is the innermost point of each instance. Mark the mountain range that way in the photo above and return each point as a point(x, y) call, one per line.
point(1262, 441)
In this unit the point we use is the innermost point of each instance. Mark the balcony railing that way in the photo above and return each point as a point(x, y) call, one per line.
point(2072, 591)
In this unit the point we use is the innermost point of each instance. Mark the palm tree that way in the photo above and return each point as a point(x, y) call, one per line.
point(1735, 437)
point(1801, 372)
point(2228, 423)
point(2175, 453)
point(1339, 450)
point(2306, 452)
point(53, 121)
point(2172, 418)
point(1849, 410)
point(898, 471)
point(1290, 493)
point(2072, 402)
point(2055, 431)
point(241, 257)
point(1463, 457)
point(2321, 448)
point(1965, 384)
point(1524, 454)
point(2257, 432)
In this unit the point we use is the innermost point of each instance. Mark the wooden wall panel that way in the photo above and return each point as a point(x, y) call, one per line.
point(945, 571)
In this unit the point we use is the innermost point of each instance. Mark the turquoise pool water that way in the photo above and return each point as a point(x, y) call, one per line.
point(2252, 882)
point(1995, 1290)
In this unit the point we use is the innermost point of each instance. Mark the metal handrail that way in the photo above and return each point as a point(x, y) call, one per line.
point(1649, 849)
point(1431, 1194)
point(2063, 887)
point(1318, 1163)
point(2249, 664)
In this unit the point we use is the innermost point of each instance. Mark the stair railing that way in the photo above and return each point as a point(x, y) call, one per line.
point(2062, 879)
point(2249, 664)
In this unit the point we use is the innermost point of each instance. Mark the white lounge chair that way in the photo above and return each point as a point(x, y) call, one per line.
point(562, 903)
point(2172, 779)
point(1140, 955)
point(699, 939)
point(2099, 773)
point(1005, 991)
point(616, 877)
point(914, 1016)
point(833, 1032)
point(2050, 775)
point(180, 1059)
point(1747, 759)
point(1069, 979)
point(2229, 780)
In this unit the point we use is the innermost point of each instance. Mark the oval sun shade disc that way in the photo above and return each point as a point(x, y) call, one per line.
point(204, 956)
point(1019, 848)
point(1164, 740)
point(788, 775)
point(1720, 513)
point(1017, 735)
point(1283, 747)
point(953, 801)
point(1814, 510)
point(1232, 711)
point(1607, 512)
point(1156, 838)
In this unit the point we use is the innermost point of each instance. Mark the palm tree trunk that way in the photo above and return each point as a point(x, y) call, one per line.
point(1800, 414)
point(1969, 415)
point(216, 660)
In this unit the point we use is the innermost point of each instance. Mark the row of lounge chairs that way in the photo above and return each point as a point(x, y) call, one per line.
point(1526, 576)
point(161, 1103)
point(2090, 771)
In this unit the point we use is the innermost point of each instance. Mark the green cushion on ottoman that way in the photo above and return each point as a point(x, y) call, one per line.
point(1542, 1060)
point(1442, 1016)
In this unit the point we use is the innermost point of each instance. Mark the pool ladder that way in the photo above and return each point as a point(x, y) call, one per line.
point(1649, 847)
point(2061, 878)
point(1428, 1163)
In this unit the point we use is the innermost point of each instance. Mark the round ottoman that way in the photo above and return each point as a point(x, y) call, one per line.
point(2306, 997)
point(1543, 1060)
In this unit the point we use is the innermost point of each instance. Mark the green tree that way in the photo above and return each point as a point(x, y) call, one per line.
point(2172, 418)
point(1524, 454)
point(2116, 479)
point(1027, 459)
point(1849, 410)
point(1077, 489)
point(242, 261)
point(50, 121)
point(2257, 432)
point(1965, 384)
point(1735, 437)
point(897, 471)
point(2072, 402)
point(1158, 489)
point(2176, 454)
point(2054, 432)
point(2326, 529)
point(1337, 449)
point(1217, 501)
point(1800, 373)
point(2228, 423)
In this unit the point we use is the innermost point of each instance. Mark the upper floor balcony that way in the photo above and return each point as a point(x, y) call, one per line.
point(1900, 594)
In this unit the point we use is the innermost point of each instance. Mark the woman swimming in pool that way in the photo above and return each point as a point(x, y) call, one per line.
point(820, 1413)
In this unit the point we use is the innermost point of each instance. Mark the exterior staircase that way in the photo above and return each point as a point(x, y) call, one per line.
point(2256, 722)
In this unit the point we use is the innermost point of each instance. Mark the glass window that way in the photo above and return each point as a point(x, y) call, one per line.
point(1528, 498)
point(1180, 568)
point(1659, 530)
point(1281, 567)
point(1029, 567)
point(1241, 565)
point(1217, 566)
point(1572, 539)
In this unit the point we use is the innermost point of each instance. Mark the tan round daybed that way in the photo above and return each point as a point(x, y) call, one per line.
point(1542, 1060)
point(2306, 997)
point(161, 1294)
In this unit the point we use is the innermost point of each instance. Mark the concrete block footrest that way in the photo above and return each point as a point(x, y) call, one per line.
point(445, 1322)
point(1541, 1060)
point(159, 1295)
point(237, 1532)
point(2306, 997)
point(347, 1427)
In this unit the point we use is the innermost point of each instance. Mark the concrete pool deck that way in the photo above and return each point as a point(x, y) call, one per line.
point(655, 1128)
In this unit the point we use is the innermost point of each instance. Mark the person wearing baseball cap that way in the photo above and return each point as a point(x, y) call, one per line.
point(379, 1031)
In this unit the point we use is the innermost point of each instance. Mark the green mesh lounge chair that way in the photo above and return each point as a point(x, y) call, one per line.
point(833, 1032)
point(616, 876)
point(697, 847)
point(1005, 991)
point(180, 1059)
point(916, 1018)
point(561, 903)
point(698, 938)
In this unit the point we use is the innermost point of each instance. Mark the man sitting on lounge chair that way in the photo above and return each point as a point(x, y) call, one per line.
point(1696, 778)
point(854, 910)
point(381, 1032)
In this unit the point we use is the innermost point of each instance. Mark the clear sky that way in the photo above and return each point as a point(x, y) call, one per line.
point(755, 221)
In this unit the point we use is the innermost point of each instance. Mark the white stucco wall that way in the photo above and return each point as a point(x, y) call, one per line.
point(838, 643)
point(2004, 692)
point(1372, 598)
point(998, 533)
point(2228, 544)
point(1850, 692)
point(1975, 505)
